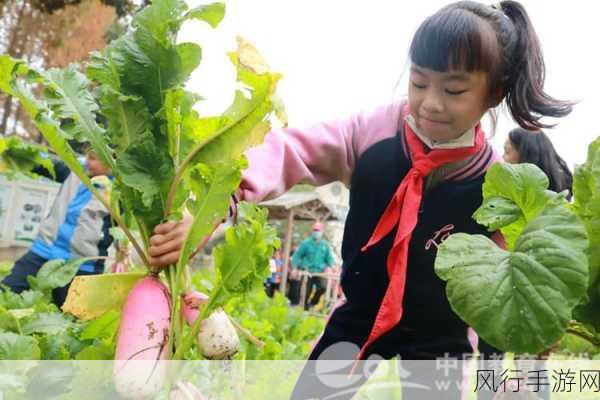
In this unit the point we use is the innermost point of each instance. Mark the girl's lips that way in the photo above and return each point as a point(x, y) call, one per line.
point(432, 121)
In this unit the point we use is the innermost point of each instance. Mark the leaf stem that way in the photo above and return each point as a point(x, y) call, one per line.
point(247, 334)
point(121, 224)
point(585, 336)
point(185, 164)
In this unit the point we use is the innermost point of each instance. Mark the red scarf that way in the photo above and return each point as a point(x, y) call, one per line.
point(404, 208)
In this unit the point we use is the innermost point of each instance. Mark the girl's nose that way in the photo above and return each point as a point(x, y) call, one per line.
point(433, 103)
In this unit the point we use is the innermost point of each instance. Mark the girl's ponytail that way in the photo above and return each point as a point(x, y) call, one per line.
point(525, 73)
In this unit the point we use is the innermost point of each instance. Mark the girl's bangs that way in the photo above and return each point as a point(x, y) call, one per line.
point(454, 39)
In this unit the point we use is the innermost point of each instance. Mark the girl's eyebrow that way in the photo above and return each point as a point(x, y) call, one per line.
point(449, 76)
point(461, 77)
point(417, 70)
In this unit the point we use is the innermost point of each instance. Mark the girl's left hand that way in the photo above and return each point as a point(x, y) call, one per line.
point(166, 243)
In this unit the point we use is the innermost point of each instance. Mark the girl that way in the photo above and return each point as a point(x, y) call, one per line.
point(415, 169)
point(523, 146)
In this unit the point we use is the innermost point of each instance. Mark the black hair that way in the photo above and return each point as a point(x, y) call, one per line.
point(536, 148)
point(499, 40)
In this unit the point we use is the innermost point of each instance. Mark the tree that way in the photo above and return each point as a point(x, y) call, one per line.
point(52, 33)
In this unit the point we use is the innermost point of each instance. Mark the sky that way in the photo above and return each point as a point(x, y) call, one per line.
point(340, 57)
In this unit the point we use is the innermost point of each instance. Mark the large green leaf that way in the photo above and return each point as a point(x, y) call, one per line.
point(497, 212)
point(161, 20)
point(103, 327)
point(18, 347)
point(49, 381)
point(242, 261)
point(148, 169)
point(56, 346)
point(21, 301)
point(47, 323)
point(513, 195)
point(56, 273)
point(92, 296)
point(66, 92)
point(8, 322)
point(244, 124)
point(12, 82)
point(100, 350)
point(212, 14)
point(148, 61)
point(586, 192)
point(128, 118)
point(519, 300)
point(212, 188)
point(19, 156)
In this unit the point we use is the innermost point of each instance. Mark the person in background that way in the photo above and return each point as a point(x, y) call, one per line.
point(293, 292)
point(76, 226)
point(314, 255)
point(534, 147)
point(276, 265)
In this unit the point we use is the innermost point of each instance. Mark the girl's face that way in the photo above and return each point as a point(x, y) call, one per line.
point(447, 104)
point(95, 167)
point(511, 155)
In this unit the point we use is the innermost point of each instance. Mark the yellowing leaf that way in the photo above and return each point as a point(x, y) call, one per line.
point(250, 58)
point(91, 296)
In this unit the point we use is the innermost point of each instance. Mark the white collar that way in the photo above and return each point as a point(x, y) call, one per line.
point(467, 139)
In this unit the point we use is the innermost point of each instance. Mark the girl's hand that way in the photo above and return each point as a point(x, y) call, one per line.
point(166, 243)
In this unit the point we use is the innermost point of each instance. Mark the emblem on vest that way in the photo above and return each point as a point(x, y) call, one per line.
point(439, 237)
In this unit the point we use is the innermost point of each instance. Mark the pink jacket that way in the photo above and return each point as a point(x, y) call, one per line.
point(320, 154)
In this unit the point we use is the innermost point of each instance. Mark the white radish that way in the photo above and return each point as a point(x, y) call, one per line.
point(217, 338)
point(141, 357)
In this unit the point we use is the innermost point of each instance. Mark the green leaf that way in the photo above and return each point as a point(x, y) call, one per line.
point(100, 350)
point(8, 322)
point(513, 195)
point(212, 14)
point(24, 300)
point(13, 84)
point(242, 261)
point(212, 188)
point(148, 169)
point(190, 55)
point(161, 19)
point(46, 323)
point(92, 296)
point(11, 382)
point(497, 212)
point(7, 69)
point(68, 97)
point(19, 156)
point(57, 273)
point(586, 192)
point(103, 327)
point(53, 348)
point(101, 68)
point(127, 117)
point(49, 381)
point(244, 124)
point(148, 61)
point(61, 346)
point(18, 347)
point(56, 139)
point(519, 300)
